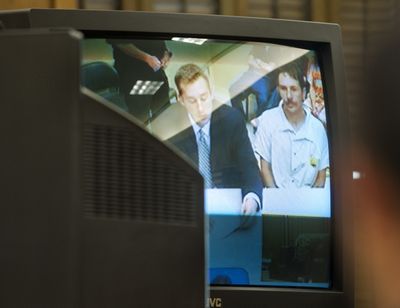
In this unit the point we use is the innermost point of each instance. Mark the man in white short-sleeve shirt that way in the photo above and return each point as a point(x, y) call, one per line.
point(291, 142)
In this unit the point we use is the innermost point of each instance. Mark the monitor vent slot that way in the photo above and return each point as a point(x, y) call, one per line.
point(127, 179)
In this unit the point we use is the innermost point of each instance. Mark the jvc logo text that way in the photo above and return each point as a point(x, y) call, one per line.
point(215, 302)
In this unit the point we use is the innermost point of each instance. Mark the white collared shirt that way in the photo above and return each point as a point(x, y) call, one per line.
point(296, 157)
point(205, 129)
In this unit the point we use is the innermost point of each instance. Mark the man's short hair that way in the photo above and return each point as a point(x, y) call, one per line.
point(295, 70)
point(188, 74)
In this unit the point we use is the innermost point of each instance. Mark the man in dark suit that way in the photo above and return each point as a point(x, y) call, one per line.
point(216, 141)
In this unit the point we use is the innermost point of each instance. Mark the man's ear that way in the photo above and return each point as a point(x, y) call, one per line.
point(278, 90)
point(179, 99)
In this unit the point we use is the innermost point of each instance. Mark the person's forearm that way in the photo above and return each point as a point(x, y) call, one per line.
point(266, 173)
point(320, 180)
point(133, 51)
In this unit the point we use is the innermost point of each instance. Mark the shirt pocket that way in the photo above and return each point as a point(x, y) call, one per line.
point(312, 162)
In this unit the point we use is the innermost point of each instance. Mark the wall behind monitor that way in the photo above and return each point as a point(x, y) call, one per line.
point(50, 4)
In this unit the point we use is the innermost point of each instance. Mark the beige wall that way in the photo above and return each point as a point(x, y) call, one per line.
point(320, 10)
point(22, 4)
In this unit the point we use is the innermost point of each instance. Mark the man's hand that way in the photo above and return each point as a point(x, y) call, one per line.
point(133, 51)
point(249, 210)
point(249, 206)
point(153, 62)
point(266, 67)
point(248, 216)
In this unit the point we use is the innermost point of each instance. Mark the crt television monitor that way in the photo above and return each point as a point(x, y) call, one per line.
point(260, 110)
point(92, 213)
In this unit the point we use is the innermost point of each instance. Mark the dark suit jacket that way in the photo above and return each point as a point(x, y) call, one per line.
point(233, 164)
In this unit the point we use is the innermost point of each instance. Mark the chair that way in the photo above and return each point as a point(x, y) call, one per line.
point(103, 79)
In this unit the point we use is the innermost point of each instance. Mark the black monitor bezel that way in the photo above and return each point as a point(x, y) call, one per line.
point(321, 37)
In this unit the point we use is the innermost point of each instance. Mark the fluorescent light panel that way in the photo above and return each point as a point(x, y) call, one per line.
point(146, 87)
point(190, 40)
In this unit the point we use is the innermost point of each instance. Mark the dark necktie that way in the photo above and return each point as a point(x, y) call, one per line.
point(204, 160)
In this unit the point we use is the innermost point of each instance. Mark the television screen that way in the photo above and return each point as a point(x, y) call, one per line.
point(251, 116)
point(258, 106)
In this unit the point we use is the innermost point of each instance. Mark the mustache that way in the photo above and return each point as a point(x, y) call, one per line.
point(289, 101)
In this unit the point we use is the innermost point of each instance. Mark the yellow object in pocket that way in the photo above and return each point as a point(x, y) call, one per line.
point(314, 161)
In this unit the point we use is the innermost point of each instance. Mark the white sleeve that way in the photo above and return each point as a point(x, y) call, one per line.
point(324, 163)
point(254, 196)
point(262, 142)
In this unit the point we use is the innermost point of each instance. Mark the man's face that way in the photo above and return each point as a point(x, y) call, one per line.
point(196, 97)
point(291, 93)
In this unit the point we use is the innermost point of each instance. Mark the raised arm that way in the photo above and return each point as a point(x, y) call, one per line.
point(131, 50)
